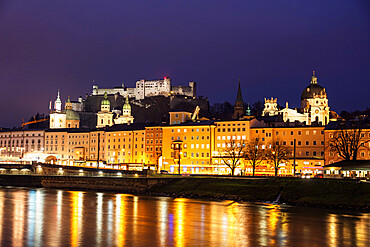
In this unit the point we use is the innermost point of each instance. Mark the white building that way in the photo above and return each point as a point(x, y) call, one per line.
point(314, 106)
point(105, 116)
point(125, 117)
point(63, 119)
point(16, 145)
point(144, 88)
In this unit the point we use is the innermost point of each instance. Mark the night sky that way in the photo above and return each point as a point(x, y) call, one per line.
point(272, 46)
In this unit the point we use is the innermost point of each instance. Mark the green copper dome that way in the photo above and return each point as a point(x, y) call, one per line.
point(72, 115)
point(105, 101)
point(126, 106)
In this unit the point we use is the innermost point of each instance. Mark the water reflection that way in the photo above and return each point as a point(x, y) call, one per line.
point(76, 216)
point(37, 217)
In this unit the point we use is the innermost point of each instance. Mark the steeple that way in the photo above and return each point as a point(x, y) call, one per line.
point(239, 104)
point(68, 104)
point(239, 97)
point(58, 103)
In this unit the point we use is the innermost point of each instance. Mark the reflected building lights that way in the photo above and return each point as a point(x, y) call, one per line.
point(1, 213)
point(39, 217)
point(76, 216)
point(162, 216)
point(180, 204)
point(120, 220)
point(99, 218)
point(135, 214)
point(18, 219)
point(332, 230)
point(31, 217)
point(110, 222)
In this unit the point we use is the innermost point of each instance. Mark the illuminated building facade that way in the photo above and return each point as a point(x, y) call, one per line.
point(125, 145)
point(314, 106)
point(149, 88)
point(364, 149)
point(153, 145)
point(60, 119)
point(104, 116)
point(195, 151)
point(21, 145)
point(309, 151)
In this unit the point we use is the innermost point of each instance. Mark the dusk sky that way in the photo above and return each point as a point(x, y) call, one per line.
point(272, 46)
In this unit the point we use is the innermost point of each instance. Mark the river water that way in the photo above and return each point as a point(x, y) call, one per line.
point(45, 217)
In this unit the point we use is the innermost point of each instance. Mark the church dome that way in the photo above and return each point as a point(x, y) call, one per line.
point(313, 89)
point(126, 106)
point(105, 101)
point(72, 115)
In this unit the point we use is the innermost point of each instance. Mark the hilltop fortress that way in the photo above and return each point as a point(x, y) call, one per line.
point(146, 88)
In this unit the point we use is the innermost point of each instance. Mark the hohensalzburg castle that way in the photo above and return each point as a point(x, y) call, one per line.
point(146, 88)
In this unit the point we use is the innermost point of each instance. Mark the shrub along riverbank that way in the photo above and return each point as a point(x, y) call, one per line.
point(325, 193)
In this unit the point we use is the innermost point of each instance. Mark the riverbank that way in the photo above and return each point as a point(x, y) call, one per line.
point(323, 193)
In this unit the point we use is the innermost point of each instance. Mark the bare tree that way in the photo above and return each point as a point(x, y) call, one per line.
point(254, 153)
point(232, 153)
point(277, 153)
point(346, 142)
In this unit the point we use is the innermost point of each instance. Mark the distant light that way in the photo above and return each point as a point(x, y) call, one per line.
point(119, 174)
point(136, 175)
point(81, 170)
point(165, 77)
point(100, 173)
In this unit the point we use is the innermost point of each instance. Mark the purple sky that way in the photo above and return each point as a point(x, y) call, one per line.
point(273, 46)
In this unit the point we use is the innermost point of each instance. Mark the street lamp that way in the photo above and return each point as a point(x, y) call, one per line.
point(176, 146)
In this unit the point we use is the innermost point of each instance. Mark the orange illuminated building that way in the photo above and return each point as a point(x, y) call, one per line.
point(153, 144)
point(126, 146)
point(196, 143)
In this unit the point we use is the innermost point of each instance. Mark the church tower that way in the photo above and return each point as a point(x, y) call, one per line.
point(239, 104)
point(314, 101)
point(57, 117)
point(126, 117)
point(105, 116)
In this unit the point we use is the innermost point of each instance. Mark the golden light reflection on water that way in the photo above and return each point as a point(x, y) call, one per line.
point(1, 213)
point(76, 216)
point(180, 204)
point(56, 218)
point(99, 217)
point(162, 216)
point(19, 203)
point(332, 230)
point(120, 219)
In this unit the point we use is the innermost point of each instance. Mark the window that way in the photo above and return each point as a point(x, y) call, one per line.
point(299, 143)
point(307, 143)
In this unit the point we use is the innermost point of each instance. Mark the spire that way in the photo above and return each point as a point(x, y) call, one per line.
point(313, 78)
point(58, 103)
point(239, 98)
point(68, 104)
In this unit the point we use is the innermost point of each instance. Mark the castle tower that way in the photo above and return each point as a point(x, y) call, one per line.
point(105, 116)
point(239, 104)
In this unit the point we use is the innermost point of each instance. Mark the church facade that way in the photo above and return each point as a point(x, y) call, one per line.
point(314, 106)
